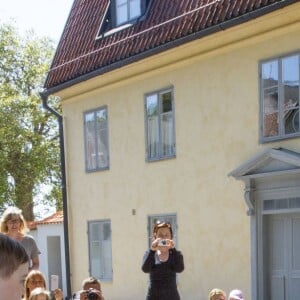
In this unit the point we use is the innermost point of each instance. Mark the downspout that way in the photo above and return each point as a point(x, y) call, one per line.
point(64, 189)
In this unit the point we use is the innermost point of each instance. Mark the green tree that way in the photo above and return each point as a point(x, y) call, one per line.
point(29, 144)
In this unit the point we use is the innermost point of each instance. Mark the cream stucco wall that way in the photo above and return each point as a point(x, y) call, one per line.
point(215, 82)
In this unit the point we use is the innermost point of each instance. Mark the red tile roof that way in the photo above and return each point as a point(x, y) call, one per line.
point(55, 218)
point(167, 24)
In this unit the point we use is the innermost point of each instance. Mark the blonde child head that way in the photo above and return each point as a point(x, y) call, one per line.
point(39, 294)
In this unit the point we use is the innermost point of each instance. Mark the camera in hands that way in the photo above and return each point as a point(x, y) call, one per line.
point(163, 243)
point(92, 295)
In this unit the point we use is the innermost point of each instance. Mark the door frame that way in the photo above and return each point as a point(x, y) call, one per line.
point(274, 173)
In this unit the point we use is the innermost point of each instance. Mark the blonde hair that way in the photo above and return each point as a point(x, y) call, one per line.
point(31, 274)
point(39, 291)
point(215, 292)
point(10, 213)
point(91, 280)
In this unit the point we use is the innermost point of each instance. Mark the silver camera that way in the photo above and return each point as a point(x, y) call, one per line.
point(163, 243)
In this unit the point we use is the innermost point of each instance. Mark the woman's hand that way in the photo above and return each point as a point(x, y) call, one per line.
point(171, 244)
point(154, 244)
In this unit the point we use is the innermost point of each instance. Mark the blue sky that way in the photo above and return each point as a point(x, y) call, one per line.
point(45, 17)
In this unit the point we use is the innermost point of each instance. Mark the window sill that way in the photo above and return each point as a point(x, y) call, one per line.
point(114, 30)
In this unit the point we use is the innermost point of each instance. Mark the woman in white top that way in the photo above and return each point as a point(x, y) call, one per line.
point(13, 225)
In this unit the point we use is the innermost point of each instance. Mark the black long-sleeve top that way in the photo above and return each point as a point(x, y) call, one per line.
point(163, 274)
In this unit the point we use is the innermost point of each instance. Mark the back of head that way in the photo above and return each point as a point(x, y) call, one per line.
point(39, 291)
point(91, 282)
point(236, 295)
point(12, 255)
point(216, 292)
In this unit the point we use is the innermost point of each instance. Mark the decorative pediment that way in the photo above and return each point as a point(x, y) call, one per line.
point(269, 161)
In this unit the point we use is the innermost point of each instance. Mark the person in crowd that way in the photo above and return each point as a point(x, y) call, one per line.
point(236, 295)
point(217, 294)
point(91, 289)
point(13, 225)
point(162, 261)
point(35, 279)
point(14, 266)
point(39, 294)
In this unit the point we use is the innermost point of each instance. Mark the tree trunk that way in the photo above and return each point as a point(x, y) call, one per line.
point(24, 197)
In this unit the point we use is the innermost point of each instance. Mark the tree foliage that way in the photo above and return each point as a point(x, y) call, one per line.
point(29, 144)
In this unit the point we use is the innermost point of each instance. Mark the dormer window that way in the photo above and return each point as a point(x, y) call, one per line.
point(121, 14)
point(127, 10)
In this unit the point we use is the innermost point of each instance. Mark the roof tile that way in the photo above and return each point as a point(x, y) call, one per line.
point(80, 53)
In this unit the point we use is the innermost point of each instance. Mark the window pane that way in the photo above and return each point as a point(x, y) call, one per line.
point(102, 144)
point(152, 126)
point(288, 203)
point(122, 11)
point(276, 204)
point(270, 98)
point(96, 143)
point(167, 139)
point(270, 74)
point(134, 9)
point(90, 144)
point(100, 249)
point(294, 202)
point(166, 100)
point(160, 125)
point(152, 105)
point(153, 137)
point(290, 71)
point(270, 112)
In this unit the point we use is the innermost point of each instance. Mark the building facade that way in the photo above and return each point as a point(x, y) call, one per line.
point(161, 130)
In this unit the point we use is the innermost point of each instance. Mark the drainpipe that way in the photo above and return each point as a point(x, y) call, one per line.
point(64, 189)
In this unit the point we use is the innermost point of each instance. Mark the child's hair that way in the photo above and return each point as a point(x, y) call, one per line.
point(91, 280)
point(39, 291)
point(159, 225)
point(12, 255)
point(215, 292)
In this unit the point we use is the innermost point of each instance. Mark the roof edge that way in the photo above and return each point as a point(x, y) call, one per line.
point(169, 45)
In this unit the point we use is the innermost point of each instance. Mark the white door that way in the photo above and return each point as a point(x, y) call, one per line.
point(282, 256)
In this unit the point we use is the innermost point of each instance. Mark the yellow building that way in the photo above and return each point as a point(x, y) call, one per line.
point(165, 104)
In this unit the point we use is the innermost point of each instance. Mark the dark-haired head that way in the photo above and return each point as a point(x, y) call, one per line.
point(160, 225)
point(12, 255)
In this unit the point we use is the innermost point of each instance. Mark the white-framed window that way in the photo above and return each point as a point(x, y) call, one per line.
point(160, 128)
point(127, 10)
point(279, 94)
point(167, 218)
point(100, 249)
point(96, 139)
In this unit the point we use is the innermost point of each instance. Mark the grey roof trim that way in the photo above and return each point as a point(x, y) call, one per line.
point(280, 154)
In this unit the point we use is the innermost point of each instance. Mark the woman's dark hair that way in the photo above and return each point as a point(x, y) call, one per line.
point(159, 225)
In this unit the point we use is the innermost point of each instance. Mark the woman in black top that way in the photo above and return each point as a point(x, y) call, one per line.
point(163, 261)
